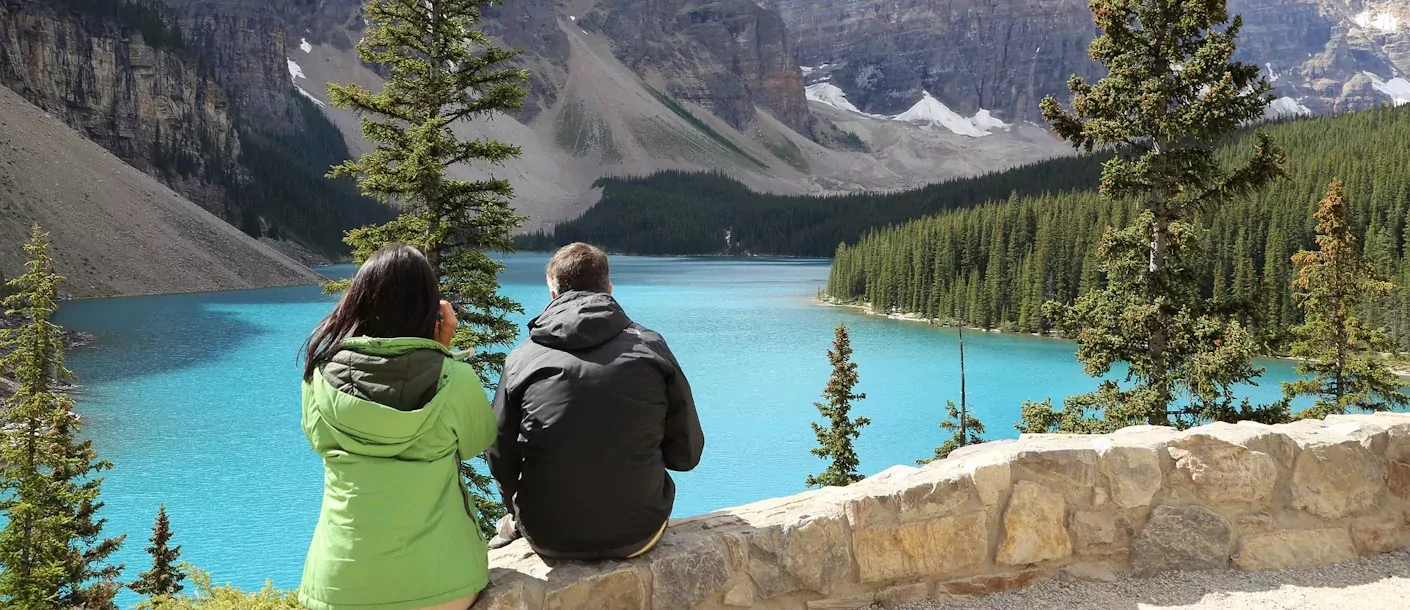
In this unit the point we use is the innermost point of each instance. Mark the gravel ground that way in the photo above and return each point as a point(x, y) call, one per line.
point(1372, 583)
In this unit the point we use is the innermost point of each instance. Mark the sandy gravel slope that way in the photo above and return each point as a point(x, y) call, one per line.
point(116, 231)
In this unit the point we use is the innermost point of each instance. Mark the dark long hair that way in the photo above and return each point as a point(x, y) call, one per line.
point(395, 294)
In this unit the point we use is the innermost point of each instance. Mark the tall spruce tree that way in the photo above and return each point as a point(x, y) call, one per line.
point(1341, 353)
point(835, 439)
point(964, 429)
point(166, 575)
point(1171, 92)
point(52, 554)
point(442, 71)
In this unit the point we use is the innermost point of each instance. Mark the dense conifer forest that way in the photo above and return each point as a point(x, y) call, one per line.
point(690, 213)
point(995, 264)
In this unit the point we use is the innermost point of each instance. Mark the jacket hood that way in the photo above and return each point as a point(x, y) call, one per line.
point(578, 320)
point(381, 395)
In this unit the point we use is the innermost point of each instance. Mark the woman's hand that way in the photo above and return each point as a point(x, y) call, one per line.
point(445, 328)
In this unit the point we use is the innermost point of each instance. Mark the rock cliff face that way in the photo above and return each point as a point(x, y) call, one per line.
point(144, 104)
point(727, 56)
point(1005, 56)
point(1002, 515)
point(245, 43)
point(971, 54)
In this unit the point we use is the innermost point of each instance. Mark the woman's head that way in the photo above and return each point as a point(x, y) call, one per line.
point(394, 294)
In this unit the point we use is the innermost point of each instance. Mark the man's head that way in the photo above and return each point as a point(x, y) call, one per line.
point(578, 267)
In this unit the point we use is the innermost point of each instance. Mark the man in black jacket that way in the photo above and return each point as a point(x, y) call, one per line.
point(593, 410)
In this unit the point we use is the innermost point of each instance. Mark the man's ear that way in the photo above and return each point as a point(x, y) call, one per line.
point(609, 287)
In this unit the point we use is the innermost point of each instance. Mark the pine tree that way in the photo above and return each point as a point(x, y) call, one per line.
point(835, 439)
point(442, 71)
point(51, 552)
point(1170, 93)
point(964, 430)
point(164, 579)
point(1339, 351)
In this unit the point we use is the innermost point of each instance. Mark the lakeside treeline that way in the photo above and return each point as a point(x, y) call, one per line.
point(995, 264)
point(684, 213)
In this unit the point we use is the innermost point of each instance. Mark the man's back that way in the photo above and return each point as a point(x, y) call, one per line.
point(593, 410)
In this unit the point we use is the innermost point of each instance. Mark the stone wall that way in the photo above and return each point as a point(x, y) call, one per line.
point(1005, 514)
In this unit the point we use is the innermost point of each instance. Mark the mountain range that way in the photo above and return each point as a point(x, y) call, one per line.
point(787, 96)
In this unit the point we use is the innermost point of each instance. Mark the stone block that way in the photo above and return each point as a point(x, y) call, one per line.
point(1294, 549)
point(513, 595)
point(595, 586)
point(815, 551)
point(1375, 538)
point(1397, 427)
point(1366, 431)
point(1398, 479)
point(1035, 526)
point(1095, 531)
point(991, 481)
point(1181, 537)
point(1335, 480)
point(1133, 474)
point(987, 585)
point(741, 595)
point(898, 595)
point(1225, 474)
point(927, 549)
point(925, 495)
point(762, 549)
point(1066, 463)
point(687, 570)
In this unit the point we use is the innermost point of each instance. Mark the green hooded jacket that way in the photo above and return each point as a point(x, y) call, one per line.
point(392, 419)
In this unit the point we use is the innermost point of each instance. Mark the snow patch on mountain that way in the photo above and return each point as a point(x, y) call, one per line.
point(1287, 107)
point(310, 97)
point(1397, 88)
point(931, 112)
point(1384, 22)
point(295, 72)
point(830, 94)
point(986, 121)
point(305, 46)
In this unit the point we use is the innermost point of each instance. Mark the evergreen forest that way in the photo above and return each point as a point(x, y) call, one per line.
point(686, 213)
point(994, 265)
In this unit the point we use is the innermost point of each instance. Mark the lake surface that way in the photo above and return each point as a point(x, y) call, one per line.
point(195, 398)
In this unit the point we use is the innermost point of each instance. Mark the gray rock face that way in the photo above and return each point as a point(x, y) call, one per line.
point(244, 43)
point(1005, 57)
point(1181, 537)
point(143, 103)
point(727, 56)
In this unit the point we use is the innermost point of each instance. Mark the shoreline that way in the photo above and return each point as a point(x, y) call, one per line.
point(1400, 369)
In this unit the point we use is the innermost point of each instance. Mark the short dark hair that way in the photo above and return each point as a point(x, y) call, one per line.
point(579, 266)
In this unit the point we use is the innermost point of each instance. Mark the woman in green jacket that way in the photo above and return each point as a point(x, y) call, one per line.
point(393, 414)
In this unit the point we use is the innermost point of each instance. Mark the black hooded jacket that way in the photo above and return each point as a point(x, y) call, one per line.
point(592, 410)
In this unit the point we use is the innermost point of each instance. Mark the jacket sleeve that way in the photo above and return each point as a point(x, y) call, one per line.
point(684, 441)
point(503, 456)
point(477, 425)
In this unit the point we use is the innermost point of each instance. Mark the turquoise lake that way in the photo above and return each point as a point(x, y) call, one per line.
point(195, 398)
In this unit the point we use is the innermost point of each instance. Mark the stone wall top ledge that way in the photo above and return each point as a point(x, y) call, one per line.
point(1142, 499)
